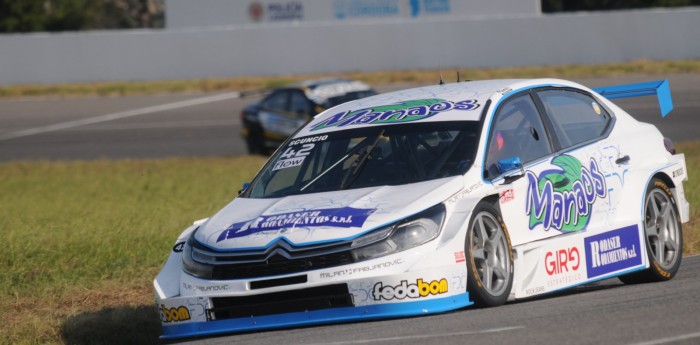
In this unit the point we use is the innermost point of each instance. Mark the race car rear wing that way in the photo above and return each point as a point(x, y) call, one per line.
point(660, 88)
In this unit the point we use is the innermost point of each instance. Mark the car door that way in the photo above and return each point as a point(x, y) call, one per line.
point(574, 188)
point(594, 163)
point(519, 150)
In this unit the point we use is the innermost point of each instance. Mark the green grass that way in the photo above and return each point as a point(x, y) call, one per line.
point(401, 76)
point(691, 230)
point(82, 241)
point(73, 230)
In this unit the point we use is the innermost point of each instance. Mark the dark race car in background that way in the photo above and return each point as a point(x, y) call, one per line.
point(268, 123)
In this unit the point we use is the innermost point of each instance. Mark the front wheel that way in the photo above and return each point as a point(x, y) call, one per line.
point(490, 258)
point(663, 235)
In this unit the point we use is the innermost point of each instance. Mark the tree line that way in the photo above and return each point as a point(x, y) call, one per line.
point(552, 6)
point(74, 15)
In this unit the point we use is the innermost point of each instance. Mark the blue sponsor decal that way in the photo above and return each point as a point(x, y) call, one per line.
point(429, 7)
point(612, 251)
point(346, 217)
point(365, 8)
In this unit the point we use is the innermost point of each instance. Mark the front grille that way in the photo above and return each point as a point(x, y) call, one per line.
point(278, 265)
point(324, 297)
point(279, 259)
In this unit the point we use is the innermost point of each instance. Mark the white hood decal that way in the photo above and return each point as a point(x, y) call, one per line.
point(320, 217)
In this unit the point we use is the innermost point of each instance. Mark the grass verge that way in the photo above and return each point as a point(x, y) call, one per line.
point(82, 241)
point(402, 76)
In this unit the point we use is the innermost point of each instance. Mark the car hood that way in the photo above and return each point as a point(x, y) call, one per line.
point(321, 217)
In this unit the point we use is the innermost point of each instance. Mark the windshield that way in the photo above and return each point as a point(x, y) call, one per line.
point(368, 157)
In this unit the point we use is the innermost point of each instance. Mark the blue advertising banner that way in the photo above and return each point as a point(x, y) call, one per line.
point(613, 251)
point(346, 217)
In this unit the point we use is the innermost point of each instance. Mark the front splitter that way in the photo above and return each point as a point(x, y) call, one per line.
point(316, 317)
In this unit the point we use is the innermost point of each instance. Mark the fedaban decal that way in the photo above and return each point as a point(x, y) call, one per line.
point(346, 217)
point(408, 111)
point(612, 251)
point(405, 290)
point(562, 199)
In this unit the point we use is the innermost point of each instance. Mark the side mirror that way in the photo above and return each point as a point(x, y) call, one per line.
point(245, 186)
point(508, 164)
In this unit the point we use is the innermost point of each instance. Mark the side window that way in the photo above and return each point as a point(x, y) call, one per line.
point(576, 117)
point(517, 132)
point(277, 101)
point(299, 104)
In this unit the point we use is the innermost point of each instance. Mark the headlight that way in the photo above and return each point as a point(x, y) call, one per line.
point(192, 260)
point(409, 233)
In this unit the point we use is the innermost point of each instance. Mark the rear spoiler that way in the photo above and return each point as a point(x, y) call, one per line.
point(660, 88)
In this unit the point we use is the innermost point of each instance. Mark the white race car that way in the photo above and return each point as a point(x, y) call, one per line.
point(433, 199)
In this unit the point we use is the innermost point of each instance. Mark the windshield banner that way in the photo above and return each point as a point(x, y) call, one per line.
point(407, 111)
point(346, 217)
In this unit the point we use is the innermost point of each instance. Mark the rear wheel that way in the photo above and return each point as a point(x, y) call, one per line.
point(490, 258)
point(663, 235)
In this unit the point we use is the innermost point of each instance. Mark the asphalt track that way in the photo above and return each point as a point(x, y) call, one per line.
point(209, 124)
point(608, 312)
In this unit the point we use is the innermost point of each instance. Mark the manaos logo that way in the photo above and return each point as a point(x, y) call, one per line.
point(562, 261)
point(405, 290)
point(407, 111)
point(562, 198)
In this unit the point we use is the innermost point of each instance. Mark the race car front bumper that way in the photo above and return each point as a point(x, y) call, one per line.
point(385, 288)
point(314, 317)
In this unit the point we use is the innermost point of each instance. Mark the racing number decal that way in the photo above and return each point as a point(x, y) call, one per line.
point(291, 158)
point(304, 151)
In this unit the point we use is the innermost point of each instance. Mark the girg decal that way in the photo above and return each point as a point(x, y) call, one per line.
point(562, 261)
point(562, 198)
point(346, 217)
point(407, 111)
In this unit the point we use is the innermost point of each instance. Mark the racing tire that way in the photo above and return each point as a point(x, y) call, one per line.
point(663, 235)
point(489, 257)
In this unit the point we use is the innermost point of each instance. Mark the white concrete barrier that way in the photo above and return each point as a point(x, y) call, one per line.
point(323, 47)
